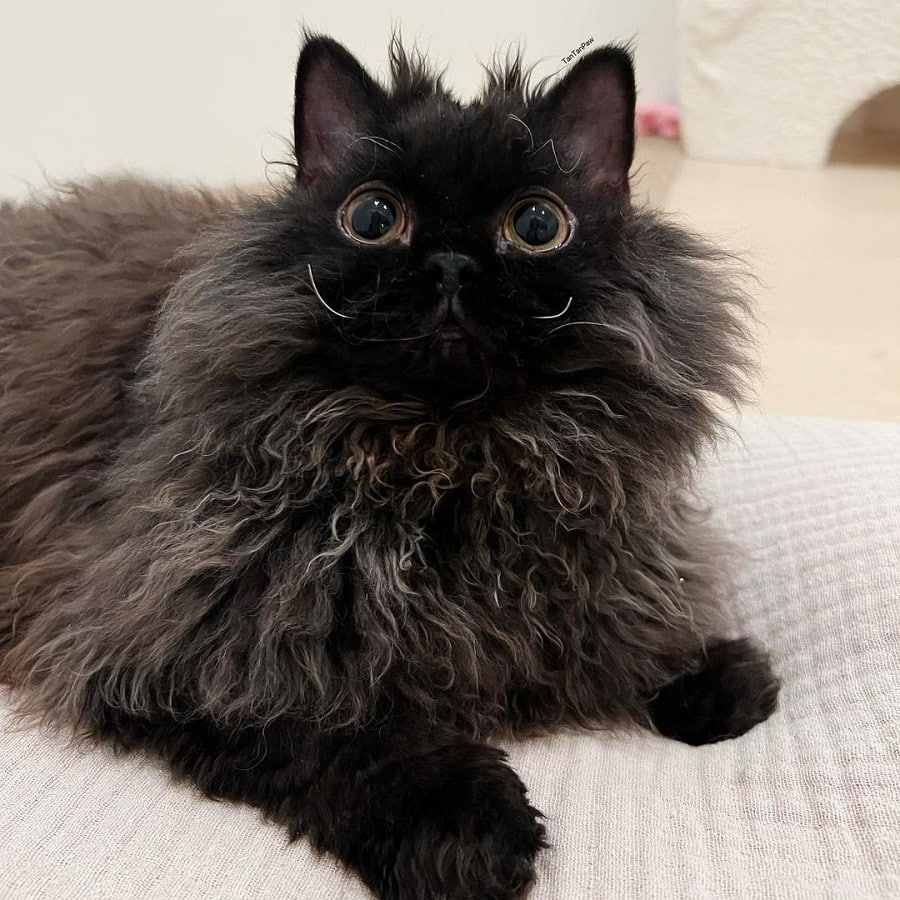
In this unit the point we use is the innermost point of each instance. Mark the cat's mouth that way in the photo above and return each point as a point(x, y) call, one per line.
point(454, 359)
point(451, 332)
point(458, 344)
point(458, 329)
point(454, 344)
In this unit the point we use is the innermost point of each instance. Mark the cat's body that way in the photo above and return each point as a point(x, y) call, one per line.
point(323, 531)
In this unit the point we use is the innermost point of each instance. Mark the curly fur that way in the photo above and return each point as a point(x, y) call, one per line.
point(229, 515)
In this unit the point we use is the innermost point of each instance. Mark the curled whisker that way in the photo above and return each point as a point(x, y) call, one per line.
point(416, 337)
point(573, 324)
point(530, 135)
point(559, 166)
point(556, 315)
point(477, 397)
point(312, 282)
point(384, 143)
point(635, 340)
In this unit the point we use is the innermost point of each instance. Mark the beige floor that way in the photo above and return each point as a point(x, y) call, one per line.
point(826, 248)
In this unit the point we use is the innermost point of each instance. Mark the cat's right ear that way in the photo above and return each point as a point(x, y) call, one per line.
point(590, 115)
point(335, 101)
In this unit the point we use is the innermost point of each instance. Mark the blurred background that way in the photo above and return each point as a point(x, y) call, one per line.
point(789, 117)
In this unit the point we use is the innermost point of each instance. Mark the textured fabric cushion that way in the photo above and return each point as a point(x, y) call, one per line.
point(805, 805)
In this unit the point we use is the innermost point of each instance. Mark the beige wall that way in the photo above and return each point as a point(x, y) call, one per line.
point(202, 89)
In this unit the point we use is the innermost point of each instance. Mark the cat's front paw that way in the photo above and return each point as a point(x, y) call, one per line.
point(733, 691)
point(474, 835)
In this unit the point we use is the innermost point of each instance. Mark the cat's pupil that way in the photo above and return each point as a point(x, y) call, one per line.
point(536, 224)
point(373, 217)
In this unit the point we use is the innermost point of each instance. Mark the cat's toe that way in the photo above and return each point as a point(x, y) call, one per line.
point(733, 691)
point(477, 838)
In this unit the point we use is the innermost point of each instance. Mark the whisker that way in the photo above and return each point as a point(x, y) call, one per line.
point(530, 135)
point(595, 324)
point(417, 337)
point(555, 315)
point(384, 143)
point(321, 298)
point(559, 165)
point(477, 397)
point(643, 348)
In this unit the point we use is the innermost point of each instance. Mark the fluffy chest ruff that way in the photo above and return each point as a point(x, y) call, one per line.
point(505, 577)
point(502, 578)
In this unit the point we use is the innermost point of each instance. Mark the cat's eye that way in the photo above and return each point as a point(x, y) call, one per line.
point(373, 216)
point(537, 224)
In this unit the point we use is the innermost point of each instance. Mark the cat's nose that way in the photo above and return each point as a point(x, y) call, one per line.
point(452, 266)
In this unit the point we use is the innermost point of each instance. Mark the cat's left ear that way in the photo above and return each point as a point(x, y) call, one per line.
point(335, 101)
point(590, 114)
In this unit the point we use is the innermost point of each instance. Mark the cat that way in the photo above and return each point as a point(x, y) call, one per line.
point(315, 493)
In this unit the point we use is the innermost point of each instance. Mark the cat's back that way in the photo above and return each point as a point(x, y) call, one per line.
point(81, 276)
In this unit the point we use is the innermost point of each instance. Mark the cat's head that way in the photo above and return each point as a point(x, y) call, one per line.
point(450, 239)
point(434, 250)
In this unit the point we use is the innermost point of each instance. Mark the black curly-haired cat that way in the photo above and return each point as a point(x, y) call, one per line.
point(388, 463)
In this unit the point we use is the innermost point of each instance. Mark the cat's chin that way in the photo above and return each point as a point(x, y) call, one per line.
point(454, 346)
point(453, 366)
point(449, 369)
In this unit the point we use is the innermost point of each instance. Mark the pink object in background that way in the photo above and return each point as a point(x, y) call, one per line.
point(661, 119)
